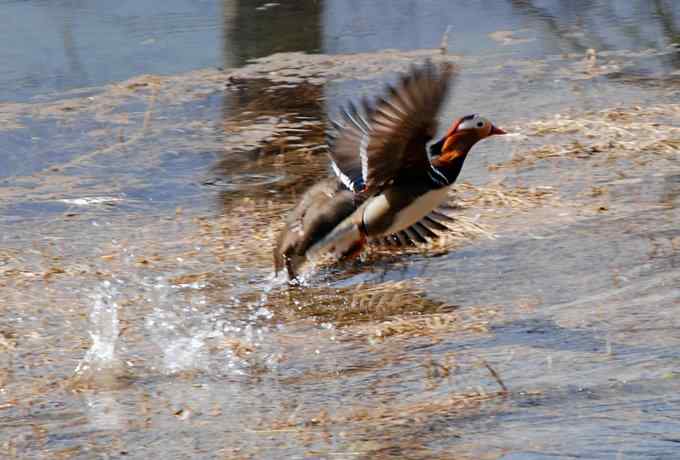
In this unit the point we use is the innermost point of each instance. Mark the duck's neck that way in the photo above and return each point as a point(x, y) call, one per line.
point(447, 165)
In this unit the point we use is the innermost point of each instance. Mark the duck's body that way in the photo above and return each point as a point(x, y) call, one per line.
point(386, 187)
point(396, 209)
point(320, 210)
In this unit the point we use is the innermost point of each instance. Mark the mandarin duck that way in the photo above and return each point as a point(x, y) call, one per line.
point(385, 187)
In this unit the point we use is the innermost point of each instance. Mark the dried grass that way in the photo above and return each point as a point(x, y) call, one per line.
point(428, 325)
point(245, 234)
point(377, 312)
point(621, 132)
point(417, 412)
point(406, 319)
point(500, 196)
point(359, 304)
point(455, 404)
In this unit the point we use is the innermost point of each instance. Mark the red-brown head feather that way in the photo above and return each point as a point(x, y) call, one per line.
point(462, 135)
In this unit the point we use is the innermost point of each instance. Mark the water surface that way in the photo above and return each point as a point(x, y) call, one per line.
point(141, 188)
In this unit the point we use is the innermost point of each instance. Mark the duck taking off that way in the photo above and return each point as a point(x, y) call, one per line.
point(385, 186)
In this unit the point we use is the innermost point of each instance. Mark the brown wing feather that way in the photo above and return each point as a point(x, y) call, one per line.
point(382, 143)
point(428, 229)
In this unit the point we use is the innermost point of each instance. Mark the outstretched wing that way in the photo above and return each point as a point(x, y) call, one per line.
point(378, 143)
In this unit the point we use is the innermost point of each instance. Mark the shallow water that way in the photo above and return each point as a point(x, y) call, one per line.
point(137, 212)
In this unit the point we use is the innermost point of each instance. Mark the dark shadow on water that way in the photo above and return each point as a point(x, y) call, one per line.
point(256, 29)
point(275, 133)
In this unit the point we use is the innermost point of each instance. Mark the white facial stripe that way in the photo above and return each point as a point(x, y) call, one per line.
point(474, 123)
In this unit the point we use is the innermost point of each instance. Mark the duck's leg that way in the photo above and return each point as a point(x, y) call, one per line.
point(291, 271)
point(293, 262)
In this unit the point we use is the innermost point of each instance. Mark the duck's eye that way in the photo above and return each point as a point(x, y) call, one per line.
point(480, 124)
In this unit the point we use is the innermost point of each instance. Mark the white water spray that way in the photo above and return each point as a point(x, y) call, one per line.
point(100, 362)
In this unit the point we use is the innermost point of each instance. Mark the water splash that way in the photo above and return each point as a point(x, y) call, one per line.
point(100, 364)
point(185, 331)
point(194, 336)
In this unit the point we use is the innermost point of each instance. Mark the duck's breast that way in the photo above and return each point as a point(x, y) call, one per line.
point(396, 209)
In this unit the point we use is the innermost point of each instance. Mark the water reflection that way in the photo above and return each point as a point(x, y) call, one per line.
point(138, 38)
point(262, 119)
point(274, 136)
point(257, 29)
point(72, 51)
point(93, 43)
point(670, 26)
point(602, 25)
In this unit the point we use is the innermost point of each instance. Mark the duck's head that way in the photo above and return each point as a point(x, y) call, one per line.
point(464, 133)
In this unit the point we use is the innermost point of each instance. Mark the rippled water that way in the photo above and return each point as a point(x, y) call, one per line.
point(137, 214)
